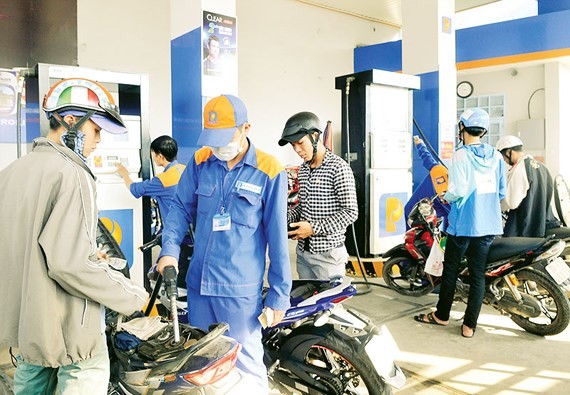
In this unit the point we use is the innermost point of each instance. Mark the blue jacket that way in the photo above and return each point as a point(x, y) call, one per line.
point(477, 183)
point(232, 262)
point(162, 187)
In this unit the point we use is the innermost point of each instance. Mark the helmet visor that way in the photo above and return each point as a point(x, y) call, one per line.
point(104, 122)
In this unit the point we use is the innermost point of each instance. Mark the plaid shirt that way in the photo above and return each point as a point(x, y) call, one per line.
point(327, 200)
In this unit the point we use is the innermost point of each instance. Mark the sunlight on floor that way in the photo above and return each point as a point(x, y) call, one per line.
point(465, 375)
point(433, 365)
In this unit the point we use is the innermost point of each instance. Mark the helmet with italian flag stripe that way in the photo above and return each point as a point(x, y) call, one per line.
point(77, 96)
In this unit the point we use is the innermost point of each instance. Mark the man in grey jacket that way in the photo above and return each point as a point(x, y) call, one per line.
point(55, 286)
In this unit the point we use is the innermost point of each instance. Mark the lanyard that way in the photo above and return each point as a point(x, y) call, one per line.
point(226, 196)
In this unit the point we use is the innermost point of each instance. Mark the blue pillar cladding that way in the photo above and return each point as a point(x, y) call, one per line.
point(546, 6)
point(186, 80)
point(426, 108)
point(385, 56)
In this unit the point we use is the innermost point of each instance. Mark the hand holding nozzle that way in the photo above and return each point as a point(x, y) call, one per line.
point(169, 275)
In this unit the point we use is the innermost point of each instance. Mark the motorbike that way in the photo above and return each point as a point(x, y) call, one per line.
point(519, 273)
point(320, 347)
point(176, 357)
point(324, 348)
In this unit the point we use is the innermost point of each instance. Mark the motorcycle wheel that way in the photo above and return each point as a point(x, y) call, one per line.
point(554, 305)
point(354, 371)
point(405, 276)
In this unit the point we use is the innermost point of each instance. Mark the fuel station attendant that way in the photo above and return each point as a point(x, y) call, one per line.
point(236, 196)
point(164, 151)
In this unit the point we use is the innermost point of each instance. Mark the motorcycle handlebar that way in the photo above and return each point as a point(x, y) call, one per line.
point(154, 242)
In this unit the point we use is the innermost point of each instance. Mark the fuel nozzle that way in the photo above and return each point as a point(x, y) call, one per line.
point(169, 275)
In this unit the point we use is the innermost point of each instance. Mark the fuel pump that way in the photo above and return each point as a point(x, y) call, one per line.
point(377, 122)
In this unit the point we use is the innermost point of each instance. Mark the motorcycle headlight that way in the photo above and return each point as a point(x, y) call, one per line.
point(425, 209)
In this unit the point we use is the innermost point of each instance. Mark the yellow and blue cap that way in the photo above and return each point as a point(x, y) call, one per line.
point(222, 116)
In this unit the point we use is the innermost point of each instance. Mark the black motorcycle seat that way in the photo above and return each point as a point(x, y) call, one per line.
point(561, 233)
point(505, 247)
point(304, 291)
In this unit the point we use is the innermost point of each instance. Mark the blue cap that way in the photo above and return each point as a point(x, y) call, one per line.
point(222, 116)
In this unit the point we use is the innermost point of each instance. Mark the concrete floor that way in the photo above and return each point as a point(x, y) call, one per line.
point(500, 359)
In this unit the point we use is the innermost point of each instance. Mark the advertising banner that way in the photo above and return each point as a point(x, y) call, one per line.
point(219, 54)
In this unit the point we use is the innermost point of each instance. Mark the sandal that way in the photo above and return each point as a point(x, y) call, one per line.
point(463, 332)
point(430, 319)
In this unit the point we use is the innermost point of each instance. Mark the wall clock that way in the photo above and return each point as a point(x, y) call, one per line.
point(464, 89)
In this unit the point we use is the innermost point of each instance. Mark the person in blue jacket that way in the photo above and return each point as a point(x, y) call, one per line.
point(426, 189)
point(236, 197)
point(477, 183)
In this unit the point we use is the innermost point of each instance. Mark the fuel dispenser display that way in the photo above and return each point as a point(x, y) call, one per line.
point(118, 210)
point(377, 122)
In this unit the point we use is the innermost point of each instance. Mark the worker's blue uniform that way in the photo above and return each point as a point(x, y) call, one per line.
point(162, 187)
point(225, 278)
point(426, 189)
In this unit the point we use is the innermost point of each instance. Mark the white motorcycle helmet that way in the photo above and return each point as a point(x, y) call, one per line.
point(507, 142)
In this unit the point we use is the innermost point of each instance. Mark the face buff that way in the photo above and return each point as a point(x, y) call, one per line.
point(79, 143)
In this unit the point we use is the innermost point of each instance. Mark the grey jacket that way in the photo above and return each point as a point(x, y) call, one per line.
point(53, 286)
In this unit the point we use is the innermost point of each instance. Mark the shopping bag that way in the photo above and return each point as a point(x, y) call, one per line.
point(434, 262)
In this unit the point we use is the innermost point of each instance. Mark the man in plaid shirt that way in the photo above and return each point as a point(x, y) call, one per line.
point(327, 201)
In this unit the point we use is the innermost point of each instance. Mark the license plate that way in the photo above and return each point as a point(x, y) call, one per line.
point(559, 270)
point(383, 351)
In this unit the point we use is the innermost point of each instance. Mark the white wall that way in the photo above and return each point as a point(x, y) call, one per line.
point(130, 36)
point(289, 54)
point(517, 90)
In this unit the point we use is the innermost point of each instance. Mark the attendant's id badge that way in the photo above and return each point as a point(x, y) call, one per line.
point(222, 222)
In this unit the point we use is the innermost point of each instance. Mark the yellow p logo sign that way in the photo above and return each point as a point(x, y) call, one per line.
point(394, 211)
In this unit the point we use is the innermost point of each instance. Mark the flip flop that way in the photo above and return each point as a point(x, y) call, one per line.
point(463, 333)
point(430, 319)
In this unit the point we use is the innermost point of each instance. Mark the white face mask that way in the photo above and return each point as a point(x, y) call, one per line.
point(228, 152)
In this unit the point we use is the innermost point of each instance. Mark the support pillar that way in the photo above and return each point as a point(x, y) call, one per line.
point(428, 50)
point(557, 102)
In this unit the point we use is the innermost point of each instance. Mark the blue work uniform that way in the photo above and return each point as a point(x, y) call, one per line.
point(226, 274)
point(426, 189)
point(162, 187)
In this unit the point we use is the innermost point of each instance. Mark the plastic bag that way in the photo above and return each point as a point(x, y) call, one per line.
point(434, 262)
